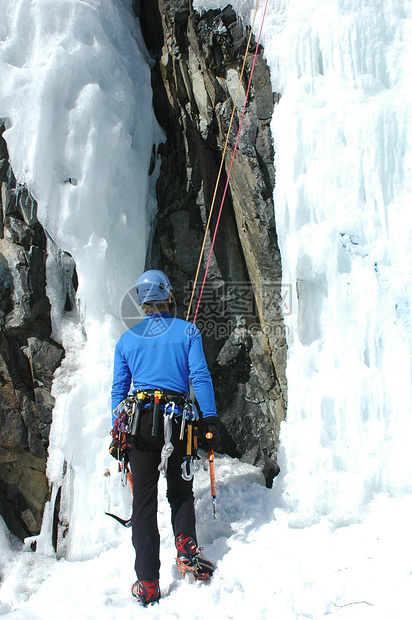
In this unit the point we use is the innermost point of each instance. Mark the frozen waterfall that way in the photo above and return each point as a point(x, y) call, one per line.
point(333, 535)
point(343, 142)
point(77, 100)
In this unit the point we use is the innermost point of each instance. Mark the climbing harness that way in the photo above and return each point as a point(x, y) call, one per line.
point(127, 424)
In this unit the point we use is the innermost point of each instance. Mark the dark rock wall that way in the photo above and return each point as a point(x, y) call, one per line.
point(195, 77)
point(28, 357)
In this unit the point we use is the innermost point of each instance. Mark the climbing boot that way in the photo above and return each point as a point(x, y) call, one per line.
point(147, 592)
point(190, 560)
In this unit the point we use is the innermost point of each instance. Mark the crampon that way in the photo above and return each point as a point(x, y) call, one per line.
point(146, 592)
point(190, 561)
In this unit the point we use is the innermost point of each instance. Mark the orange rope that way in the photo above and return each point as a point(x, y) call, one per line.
point(231, 165)
point(211, 455)
point(221, 164)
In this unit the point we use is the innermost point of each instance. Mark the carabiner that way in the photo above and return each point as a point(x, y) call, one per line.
point(171, 404)
point(182, 427)
point(194, 412)
point(187, 469)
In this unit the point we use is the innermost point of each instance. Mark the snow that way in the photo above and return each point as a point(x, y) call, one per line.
point(332, 538)
point(266, 567)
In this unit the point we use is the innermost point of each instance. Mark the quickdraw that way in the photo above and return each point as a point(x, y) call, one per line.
point(167, 446)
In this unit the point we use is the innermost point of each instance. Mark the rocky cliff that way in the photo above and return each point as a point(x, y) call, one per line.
point(198, 60)
point(28, 356)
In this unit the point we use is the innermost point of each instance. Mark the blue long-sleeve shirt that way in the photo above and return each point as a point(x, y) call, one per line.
point(162, 352)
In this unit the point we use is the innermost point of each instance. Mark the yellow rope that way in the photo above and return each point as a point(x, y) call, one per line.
point(221, 164)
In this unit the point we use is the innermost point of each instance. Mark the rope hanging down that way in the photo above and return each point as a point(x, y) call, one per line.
point(211, 453)
point(222, 162)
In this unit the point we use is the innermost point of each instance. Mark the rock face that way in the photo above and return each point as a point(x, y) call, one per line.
point(28, 357)
point(195, 80)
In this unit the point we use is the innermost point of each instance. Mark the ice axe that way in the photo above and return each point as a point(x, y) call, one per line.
point(124, 522)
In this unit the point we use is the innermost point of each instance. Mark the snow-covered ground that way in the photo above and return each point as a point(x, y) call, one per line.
point(332, 538)
point(268, 566)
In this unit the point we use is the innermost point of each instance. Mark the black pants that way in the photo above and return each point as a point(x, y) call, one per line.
point(144, 462)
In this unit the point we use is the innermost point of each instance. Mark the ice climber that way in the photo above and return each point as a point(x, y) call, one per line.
point(158, 357)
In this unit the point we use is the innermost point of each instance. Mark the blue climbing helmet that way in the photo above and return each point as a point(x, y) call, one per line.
point(153, 285)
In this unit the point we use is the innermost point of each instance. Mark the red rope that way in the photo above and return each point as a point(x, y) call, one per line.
point(231, 165)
